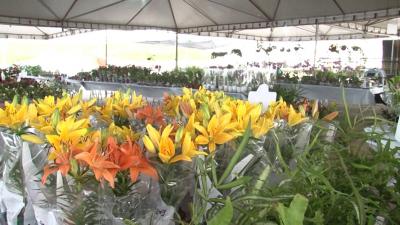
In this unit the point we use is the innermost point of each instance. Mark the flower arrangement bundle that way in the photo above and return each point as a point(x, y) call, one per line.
point(123, 160)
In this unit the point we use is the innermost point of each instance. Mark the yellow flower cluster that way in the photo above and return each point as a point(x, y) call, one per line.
point(195, 123)
point(212, 119)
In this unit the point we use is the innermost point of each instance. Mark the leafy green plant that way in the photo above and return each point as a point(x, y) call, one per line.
point(32, 70)
point(190, 77)
point(337, 180)
point(30, 88)
point(291, 94)
point(394, 88)
point(224, 216)
point(294, 214)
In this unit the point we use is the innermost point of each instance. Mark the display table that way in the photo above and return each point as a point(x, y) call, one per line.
point(354, 96)
point(152, 92)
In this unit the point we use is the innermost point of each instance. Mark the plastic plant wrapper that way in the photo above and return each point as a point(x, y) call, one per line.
point(41, 196)
point(329, 132)
point(172, 176)
point(83, 204)
point(144, 205)
point(13, 198)
point(284, 143)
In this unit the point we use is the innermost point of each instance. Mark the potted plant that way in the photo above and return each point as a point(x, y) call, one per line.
point(226, 87)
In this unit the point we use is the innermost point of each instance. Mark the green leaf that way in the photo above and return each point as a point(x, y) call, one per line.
point(55, 118)
point(206, 111)
point(294, 215)
point(129, 222)
point(224, 216)
point(236, 156)
point(238, 182)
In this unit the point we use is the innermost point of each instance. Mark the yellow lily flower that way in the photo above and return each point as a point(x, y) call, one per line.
point(294, 117)
point(161, 142)
point(122, 132)
point(247, 112)
point(171, 105)
point(68, 132)
point(262, 126)
point(148, 144)
point(43, 124)
point(106, 110)
point(16, 116)
point(48, 105)
point(190, 125)
point(166, 147)
point(88, 107)
point(219, 131)
point(188, 150)
point(126, 102)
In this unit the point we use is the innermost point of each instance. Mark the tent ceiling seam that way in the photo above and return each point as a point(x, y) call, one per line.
point(276, 9)
point(69, 9)
point(201, 12)
point(329, 30)
point(138, 12)
point(363, 30)
point(304, 29)
point(173, 15)
point(48, 9)
point(41, 31)
point(97, 9)
point(379, 21)
point(69, 33)
point(261, 10)
point(234, 9)
point(339, 7)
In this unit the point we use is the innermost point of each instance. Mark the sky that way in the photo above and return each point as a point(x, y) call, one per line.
point(87, 51)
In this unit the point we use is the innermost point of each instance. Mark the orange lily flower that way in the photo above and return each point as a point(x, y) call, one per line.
point(62, 163)
point(101, 167)
point(139, 164)
point(151, 115)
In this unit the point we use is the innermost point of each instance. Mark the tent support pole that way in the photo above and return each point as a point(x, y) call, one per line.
point(106, 60)
point(176, 50)
point(315, 47)
point(391, 58)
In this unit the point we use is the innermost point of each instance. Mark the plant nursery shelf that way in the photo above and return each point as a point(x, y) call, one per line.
point(154, 92)
point(354, 96)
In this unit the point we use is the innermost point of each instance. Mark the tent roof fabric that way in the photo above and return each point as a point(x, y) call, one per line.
point(335, 31)
point(191, 16)
point(36, 32)
point(264, 20)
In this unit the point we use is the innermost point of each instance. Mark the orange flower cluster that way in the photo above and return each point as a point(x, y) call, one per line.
point(105, 162)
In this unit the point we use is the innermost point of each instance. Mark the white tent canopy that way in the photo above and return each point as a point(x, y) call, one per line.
point(36, 32)
point(336, 31)
point(191, 16)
